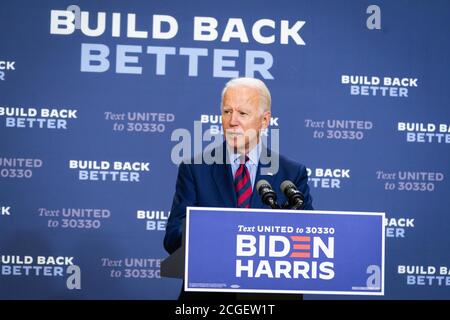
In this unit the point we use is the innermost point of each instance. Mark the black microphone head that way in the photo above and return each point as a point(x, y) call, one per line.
point(295, 197)
point(286, 184)
point(268, 196)
point(262, 183)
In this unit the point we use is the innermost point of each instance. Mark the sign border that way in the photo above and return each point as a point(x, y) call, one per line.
point(186, 270)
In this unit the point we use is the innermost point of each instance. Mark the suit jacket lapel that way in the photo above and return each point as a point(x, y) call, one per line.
point(224, 181)
point(223, 178)
point(263, 163)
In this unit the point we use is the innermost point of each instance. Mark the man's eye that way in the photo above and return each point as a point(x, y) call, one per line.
point(243, 113)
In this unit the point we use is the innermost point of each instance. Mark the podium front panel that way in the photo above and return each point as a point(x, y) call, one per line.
point(284, 251)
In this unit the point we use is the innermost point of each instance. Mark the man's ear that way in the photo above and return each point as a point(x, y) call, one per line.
point(266, 119)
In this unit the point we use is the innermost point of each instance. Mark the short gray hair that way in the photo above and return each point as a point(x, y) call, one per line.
point(265, 100)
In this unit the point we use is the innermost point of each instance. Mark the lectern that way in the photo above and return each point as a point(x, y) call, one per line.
point(280, 251)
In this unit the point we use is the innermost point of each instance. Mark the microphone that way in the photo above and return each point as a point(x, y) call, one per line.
point(268, 196)
point(295, 197)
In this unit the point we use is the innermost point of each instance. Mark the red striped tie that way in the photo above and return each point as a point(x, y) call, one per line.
point(243, 185)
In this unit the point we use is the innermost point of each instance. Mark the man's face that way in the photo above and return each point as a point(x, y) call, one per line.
point(242, 118)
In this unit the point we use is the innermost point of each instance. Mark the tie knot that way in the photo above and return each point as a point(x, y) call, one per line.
point(243, 159)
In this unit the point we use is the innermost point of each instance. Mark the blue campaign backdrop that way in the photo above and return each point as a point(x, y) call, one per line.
point(93, 95)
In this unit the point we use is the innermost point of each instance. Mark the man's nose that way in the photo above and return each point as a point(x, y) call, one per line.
point(234, 119)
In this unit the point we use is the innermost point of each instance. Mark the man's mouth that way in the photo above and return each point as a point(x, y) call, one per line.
point(234, 134)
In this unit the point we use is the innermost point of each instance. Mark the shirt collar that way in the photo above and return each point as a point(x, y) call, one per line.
point(253, 155)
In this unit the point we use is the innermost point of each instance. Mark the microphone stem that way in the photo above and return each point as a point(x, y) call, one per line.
point(273, 204)
point(298, 205)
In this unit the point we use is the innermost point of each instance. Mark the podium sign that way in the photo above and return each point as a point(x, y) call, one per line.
point(284, 251)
